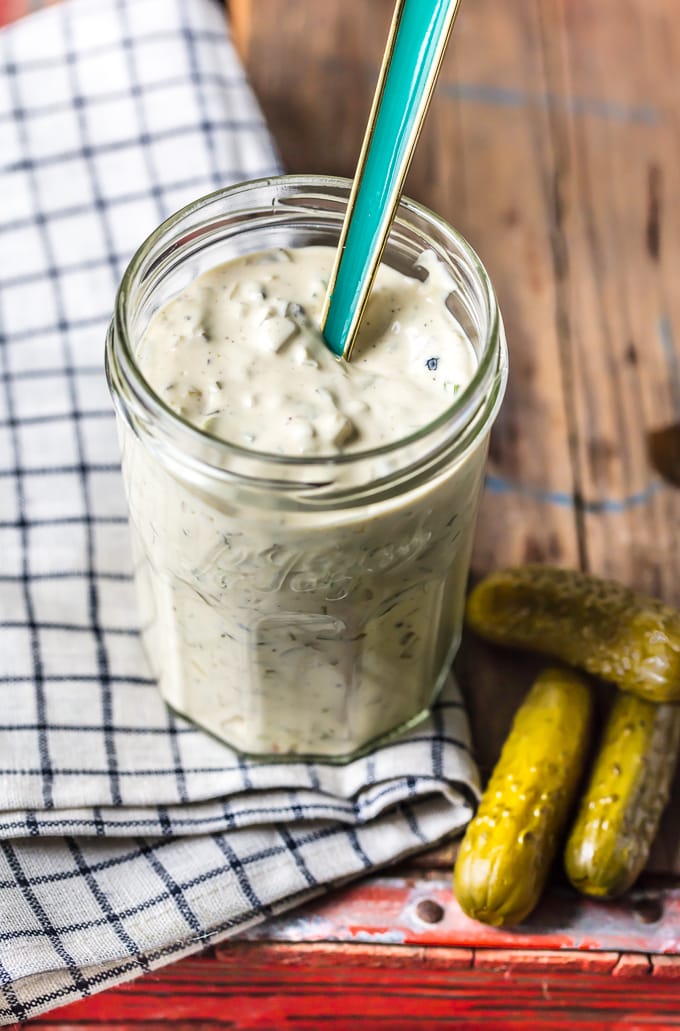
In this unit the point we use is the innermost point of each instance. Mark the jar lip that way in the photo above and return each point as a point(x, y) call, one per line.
point(458, 414)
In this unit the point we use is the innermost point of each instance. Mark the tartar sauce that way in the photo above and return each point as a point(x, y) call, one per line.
point(286, 631)
point(238, 354)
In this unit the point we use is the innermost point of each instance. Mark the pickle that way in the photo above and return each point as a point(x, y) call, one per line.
point(629, 787)
point(510, 844)
point(597, 625)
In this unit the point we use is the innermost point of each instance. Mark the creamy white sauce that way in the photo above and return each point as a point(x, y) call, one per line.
point(238, 353)
point(284, 630)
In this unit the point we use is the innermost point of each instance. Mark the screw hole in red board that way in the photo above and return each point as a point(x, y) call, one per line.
point(429, 911)
point(649, 911)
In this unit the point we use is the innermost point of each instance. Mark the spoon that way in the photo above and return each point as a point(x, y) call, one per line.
point(415, 48)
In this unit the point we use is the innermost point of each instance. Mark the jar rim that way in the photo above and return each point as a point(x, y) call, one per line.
point(492, 363)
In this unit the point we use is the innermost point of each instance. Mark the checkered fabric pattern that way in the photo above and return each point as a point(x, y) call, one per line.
point(127, 836)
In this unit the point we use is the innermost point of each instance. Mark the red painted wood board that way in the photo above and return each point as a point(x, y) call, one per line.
point(403, 989)
point(386, 911)
point(404, 938)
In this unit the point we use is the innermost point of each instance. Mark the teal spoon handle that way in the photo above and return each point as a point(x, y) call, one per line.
point(415, 48)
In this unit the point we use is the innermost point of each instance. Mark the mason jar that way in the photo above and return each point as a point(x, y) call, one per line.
point(300, 606)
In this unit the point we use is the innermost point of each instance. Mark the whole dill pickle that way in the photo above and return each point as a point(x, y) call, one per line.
point(509, 846)
point(629, 787)
point(600, 626)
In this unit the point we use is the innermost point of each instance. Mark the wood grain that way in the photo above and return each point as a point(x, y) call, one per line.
point(362, 988)
point(552, 144)
point(417, 911)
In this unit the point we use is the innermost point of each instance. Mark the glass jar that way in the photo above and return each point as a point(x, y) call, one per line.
point(302, 606)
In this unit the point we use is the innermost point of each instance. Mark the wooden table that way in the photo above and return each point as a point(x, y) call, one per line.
point(554, 146)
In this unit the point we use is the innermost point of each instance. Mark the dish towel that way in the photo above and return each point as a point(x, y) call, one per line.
point(127, 837)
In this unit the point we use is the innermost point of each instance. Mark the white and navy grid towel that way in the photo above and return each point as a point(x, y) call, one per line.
point(127, 837)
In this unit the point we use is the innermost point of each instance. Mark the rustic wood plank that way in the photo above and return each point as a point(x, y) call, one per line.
point(505, 209)
point(313, 66)
point(620, 234)
point(618, 241)
point(551, 144)
point(416, 910)
point(515, 960)
point(267, 987)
